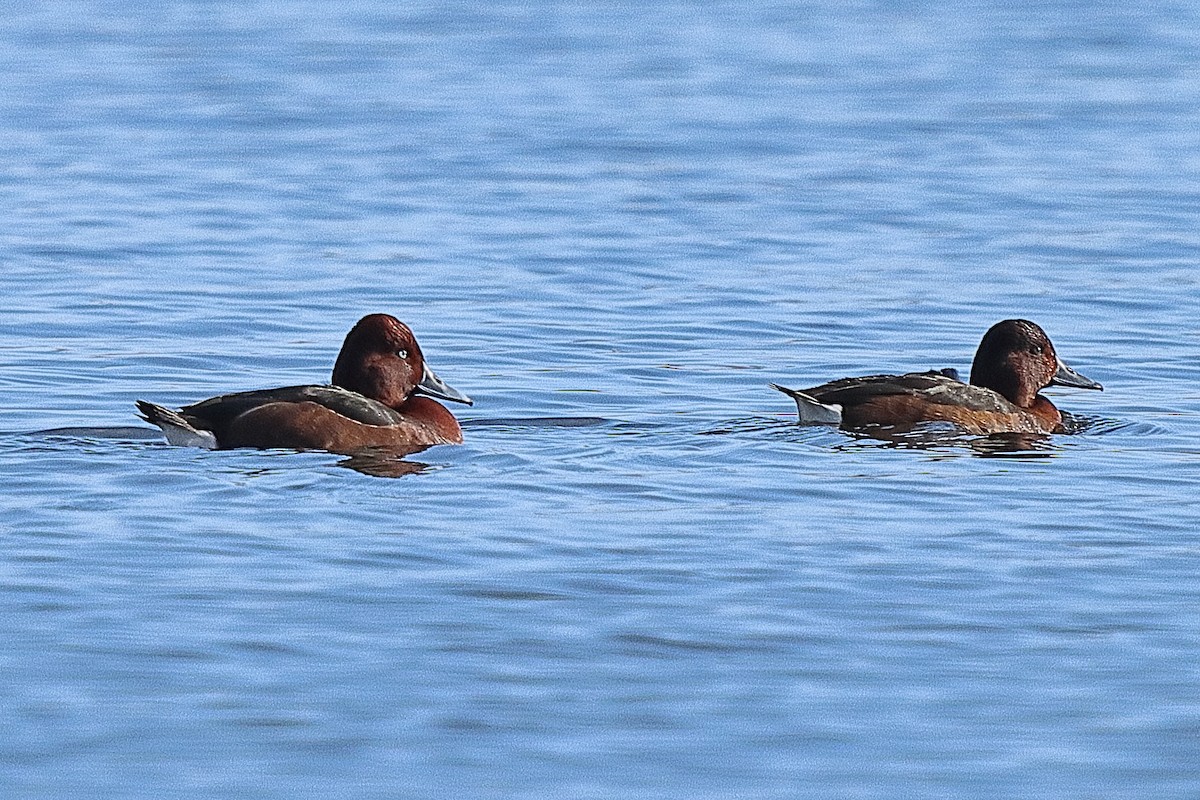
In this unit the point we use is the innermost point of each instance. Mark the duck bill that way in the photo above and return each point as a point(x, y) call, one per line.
point(433, 386)
point(1069, 377)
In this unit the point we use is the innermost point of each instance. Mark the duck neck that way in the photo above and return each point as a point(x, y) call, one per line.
point(432, 414)
point(1009, 385)
point(1046, 411)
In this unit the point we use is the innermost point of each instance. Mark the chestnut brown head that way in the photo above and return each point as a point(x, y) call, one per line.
point(1017, 359)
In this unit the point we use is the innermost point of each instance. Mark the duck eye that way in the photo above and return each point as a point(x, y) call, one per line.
point(1037, 349)
point(402, 353)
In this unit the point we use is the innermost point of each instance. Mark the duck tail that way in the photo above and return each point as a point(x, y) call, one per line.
point(179, 431)
point(810, 410)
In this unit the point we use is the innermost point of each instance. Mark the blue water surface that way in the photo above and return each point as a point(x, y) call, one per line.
point(613, 225)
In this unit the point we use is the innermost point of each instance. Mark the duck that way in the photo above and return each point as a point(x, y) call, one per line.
point(1014, 362)
point(382, 396)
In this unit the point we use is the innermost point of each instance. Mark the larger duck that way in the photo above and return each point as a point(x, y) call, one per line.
point(1015, 361)
point(381, 396)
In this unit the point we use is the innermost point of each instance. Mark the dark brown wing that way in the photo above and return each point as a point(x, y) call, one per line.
point(934, 386)
point(217, 412)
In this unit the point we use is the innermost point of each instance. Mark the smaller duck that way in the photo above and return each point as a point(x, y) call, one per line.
point(380, 398)
point(1014, 362)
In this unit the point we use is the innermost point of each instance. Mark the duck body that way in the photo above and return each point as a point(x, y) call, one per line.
point(1014, 362)
point(381, 397)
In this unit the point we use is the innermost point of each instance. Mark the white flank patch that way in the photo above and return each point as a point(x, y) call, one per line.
point(188, 437)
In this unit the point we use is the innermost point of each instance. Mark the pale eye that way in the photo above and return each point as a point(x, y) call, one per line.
point(402, 353)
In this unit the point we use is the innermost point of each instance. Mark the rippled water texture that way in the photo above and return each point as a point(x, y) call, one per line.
point(612, 226)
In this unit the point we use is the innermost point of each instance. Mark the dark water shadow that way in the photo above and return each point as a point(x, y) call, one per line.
point(121, 433)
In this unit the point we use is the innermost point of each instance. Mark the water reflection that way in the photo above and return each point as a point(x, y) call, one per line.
point(938, 437)
point(382, 464)
point(941, 437)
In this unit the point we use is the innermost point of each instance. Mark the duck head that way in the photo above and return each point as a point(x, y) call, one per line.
point(382, 360)
point(1017, 359)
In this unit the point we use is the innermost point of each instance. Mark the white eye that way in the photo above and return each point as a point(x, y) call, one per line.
point(402, 353)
